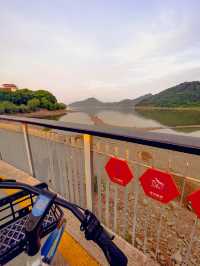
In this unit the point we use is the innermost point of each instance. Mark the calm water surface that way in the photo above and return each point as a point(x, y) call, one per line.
point(166, 121)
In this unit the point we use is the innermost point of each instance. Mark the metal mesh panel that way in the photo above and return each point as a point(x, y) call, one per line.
point(12, 235)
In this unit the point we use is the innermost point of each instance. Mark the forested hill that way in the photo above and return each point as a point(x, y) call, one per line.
point(186, 94)
point(94, 103)
point(25, 101)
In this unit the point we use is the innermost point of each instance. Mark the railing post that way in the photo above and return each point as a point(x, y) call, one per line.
point(88, 169)
point(28, 149)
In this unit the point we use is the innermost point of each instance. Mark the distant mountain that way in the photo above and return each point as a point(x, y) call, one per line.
point(94, 103)
point(90, 102)
point(186, 94)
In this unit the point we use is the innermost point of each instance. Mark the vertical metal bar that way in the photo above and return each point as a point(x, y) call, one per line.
point(88, 169)
point(115, 207)
point(107, 202)
point(69, 172)
point(99, 197)
point(125, 210)
point(49, 161)
point(182, 192)
point(136, 190)
point(125, 201)
point(28, 149)
point(75, 172)
point(57, 173)
point(77, 153)
point(73, 169)
point(184, 183)
point(146, 227)
point(51, 166)
point(65, 171)
point(66, 181)
point(158, 232)
point(116, 152)
point(99, 185)
point(41, 163)
point(60, 169)
point(82, 179)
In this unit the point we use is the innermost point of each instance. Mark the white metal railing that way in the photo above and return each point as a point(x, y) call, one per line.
point(73, 164)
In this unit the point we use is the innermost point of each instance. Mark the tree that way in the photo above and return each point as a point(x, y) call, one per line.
point(51, 106)
point(5, 96)
point(44, 103)
point(26, 100)
point(24, 108)
point(33, 104)
point(2, 109)
point(21, 96)
point(60, 106)
point(9, 107)
point(45, 94)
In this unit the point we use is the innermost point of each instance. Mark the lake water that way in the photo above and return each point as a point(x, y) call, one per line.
point(168, 121)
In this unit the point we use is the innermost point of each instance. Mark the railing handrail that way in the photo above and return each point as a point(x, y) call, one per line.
point(186, 144)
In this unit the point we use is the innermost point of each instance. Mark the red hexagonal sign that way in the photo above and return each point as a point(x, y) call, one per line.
point(118, 171)
point(159, 185)
point(194, 198)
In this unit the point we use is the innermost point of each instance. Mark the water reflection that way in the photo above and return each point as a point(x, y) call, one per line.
point(184, 121)
point(169, 121)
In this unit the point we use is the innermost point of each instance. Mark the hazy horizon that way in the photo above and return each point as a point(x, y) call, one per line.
point(107, 50)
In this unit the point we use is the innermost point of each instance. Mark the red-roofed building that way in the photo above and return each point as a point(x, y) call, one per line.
point(8, 87)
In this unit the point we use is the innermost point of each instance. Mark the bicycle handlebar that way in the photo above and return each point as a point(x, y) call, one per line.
point(89, 224)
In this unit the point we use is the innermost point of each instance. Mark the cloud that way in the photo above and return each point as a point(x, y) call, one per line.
point(143, 56)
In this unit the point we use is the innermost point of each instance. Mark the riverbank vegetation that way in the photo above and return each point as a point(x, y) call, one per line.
point(26, 101)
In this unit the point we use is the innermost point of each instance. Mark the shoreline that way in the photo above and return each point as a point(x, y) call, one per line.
point(168, 108)
point(44, 113)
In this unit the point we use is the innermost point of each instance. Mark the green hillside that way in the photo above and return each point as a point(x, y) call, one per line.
point(186, 94)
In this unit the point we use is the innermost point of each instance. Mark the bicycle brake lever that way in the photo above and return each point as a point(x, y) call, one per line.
point(92, 227)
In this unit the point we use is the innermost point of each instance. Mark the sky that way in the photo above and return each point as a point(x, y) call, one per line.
point(110, 50)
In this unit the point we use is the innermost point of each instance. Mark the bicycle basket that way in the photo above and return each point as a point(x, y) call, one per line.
point(14, 211)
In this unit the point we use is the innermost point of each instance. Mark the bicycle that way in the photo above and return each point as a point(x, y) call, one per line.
point(41, 215)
